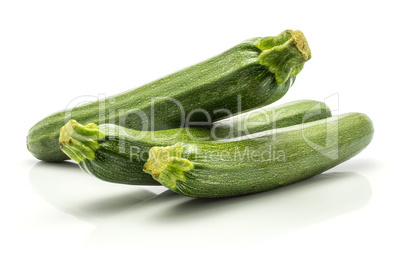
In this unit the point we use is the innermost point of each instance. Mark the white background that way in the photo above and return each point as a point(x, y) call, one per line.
point(54, 51)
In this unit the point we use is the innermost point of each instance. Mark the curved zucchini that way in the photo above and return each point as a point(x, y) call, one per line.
point(117, 154)
point(268, 160)
point(256, 72)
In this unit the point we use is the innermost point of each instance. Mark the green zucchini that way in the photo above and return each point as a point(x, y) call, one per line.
point(267, 118)
point(254, 73)
point(267, 160)
point(117, 154)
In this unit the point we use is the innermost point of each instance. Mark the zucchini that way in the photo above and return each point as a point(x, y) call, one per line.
point(268, 160)
point(267, 118)
point(117, 154)
point(256, 72)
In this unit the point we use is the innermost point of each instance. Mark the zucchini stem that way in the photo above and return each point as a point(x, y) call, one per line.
point(167, 166)
point(80, 142)
point(284, 54)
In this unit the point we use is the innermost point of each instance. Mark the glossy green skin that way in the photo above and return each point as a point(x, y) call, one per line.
point(295, 159)
point(267, 118)
point(122, 154)
point(214, 84)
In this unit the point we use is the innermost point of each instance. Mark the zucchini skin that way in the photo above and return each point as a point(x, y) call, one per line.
point(237, 167)
point(118, 155)
point(267, 118)
point(241, 72)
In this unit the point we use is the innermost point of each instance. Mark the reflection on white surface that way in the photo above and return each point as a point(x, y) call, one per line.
point(136, 215)
point(73, 191)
